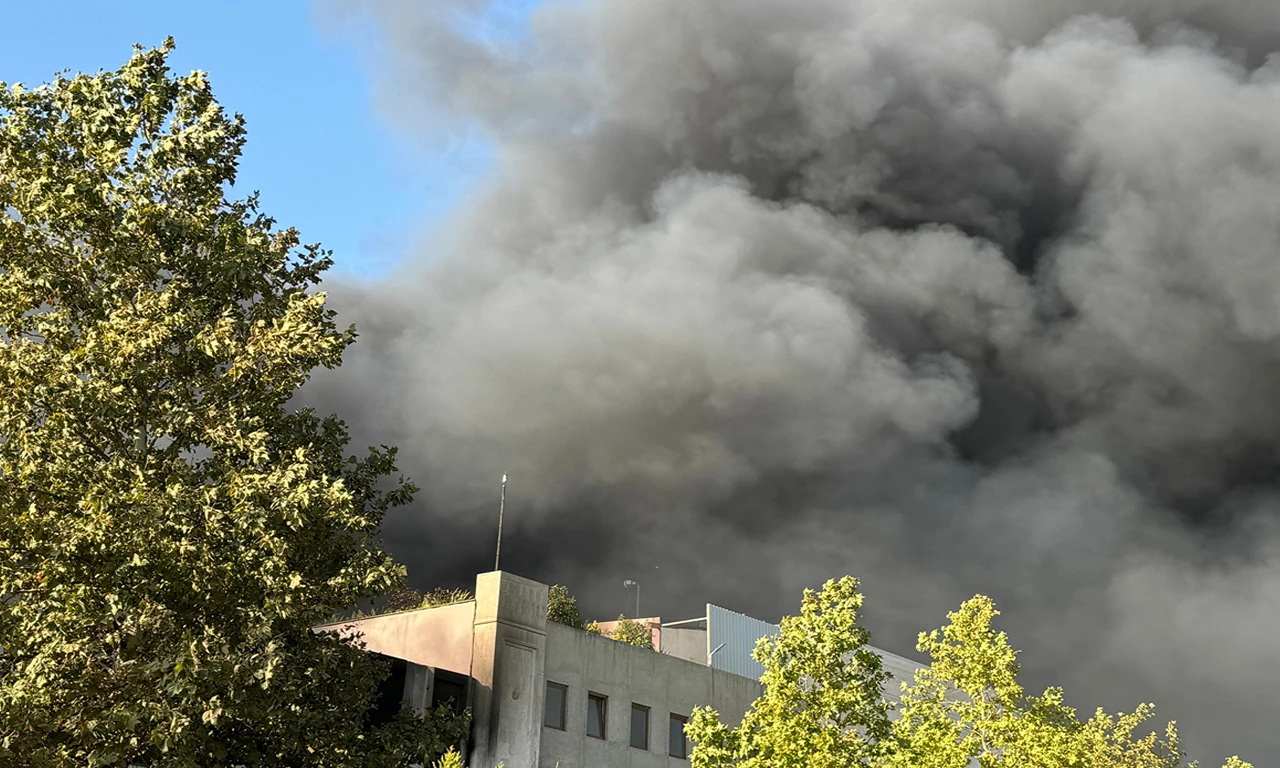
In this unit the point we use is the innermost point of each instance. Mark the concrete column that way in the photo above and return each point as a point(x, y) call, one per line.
point(417, 687)
point(508, 657)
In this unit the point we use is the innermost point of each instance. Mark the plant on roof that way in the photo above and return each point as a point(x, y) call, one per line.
point(633, 632)
point(562, 608)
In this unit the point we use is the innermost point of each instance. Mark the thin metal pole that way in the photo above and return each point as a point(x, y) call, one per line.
point(637, 599)
point(502, 506)
point(711, 658)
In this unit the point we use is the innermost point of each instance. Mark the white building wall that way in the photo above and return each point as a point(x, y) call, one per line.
point(586, 662)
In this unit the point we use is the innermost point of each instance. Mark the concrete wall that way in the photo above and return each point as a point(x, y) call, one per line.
point(418, 687)
point(434, 637)
point(688, 644)
point(589, 663)
point(508, 651)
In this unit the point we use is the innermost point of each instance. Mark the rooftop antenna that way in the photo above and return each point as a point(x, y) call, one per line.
point(502, 505)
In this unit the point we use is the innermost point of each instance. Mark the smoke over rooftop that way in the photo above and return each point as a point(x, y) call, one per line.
point(954, 295)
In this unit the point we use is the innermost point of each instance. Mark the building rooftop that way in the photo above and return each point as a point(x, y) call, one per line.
point(721, 638)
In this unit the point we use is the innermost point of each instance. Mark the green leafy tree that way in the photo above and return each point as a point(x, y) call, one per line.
point(170, 530)
point(562, 607)
point(633, 632)
point(822, 704)
point(968, 706)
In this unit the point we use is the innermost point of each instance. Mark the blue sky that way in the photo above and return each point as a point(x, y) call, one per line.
point(317, 151)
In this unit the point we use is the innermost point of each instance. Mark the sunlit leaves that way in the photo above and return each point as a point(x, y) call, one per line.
point(823, 704)
point(169, 528)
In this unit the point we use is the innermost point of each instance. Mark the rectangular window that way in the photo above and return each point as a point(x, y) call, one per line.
point(390, 696)
point(678, 745)
point(450, 689)
point(639, 726)
point(553, 714)
point(597, 711)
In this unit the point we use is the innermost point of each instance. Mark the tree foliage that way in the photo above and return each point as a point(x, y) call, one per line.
point(823, 704)
point(968, 705)
point(170, 529)
point(562, 607)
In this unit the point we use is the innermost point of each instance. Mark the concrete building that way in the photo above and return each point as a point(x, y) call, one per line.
point(543, 694)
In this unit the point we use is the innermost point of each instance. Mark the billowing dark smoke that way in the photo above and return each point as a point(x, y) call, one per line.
point(954, 295)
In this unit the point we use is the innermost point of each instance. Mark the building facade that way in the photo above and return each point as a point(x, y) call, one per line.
point(543, 694)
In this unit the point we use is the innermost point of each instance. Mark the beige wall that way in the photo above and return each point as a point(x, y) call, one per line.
point(434, 637)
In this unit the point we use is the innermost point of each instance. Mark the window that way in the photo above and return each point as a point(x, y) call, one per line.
point(390, 696)
point(678, 743)
point(639, 726)
point(597, 707)
point(553, 714)
point(450, 689)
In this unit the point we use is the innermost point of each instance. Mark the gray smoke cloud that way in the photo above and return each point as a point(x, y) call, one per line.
point(957, 296)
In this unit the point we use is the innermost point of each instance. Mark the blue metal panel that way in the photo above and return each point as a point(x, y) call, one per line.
point(738, 634)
